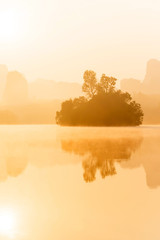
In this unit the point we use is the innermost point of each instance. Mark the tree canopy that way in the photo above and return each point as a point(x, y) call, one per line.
point(103, 105)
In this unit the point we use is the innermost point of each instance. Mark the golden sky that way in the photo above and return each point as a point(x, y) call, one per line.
point(59, 39)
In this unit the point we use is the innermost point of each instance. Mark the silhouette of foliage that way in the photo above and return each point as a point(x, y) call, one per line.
point(90, 83)
point(102, 106)
point(101, 154)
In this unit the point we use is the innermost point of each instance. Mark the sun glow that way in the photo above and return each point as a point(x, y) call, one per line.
point(10, 25)
point(8, 223)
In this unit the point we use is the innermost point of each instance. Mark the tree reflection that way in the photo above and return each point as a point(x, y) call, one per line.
point(101, 154)
point(100, 150)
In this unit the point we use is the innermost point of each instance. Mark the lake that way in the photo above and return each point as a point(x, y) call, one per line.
point(83, 183)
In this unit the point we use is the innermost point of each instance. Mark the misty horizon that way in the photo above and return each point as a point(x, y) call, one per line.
point(152, 72)
point(79, 120)
point(44, 97)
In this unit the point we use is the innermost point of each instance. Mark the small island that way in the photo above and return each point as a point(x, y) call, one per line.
point(103, 105)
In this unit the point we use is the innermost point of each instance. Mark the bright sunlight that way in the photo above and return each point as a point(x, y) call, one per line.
point(10, 25)
point(8, 222)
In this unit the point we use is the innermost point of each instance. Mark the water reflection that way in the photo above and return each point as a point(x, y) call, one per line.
point(44, 195)
point(13, 159)
point(101, 154)
point(149, 159)
point(99, 150)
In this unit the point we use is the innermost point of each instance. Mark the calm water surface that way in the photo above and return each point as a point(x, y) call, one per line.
point(79, 183)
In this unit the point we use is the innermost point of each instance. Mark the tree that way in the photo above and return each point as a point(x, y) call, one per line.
point(106, 84)
point(90, 83)
point(104, 105)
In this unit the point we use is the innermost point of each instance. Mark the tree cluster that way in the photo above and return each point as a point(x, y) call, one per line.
point(102, 106)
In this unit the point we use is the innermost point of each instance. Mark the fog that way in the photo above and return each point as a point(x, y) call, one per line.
point(36, 102)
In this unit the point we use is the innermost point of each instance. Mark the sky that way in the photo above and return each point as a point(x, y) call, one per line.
point(59, 39)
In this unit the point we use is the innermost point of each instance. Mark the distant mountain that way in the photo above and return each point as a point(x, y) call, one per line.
point(49, 89)
point(16, 89)
point(3, 77)
point(146, 92)
point(152, 72)
point(39, 89)
point(131, 85)
point(23, 102)
point(150, 84)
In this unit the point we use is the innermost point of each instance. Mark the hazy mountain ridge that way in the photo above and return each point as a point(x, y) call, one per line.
point(150, 84)
point(41, 98)
point(146, 92)
point(36, 102)
point(49, 89)
point(38, 89)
